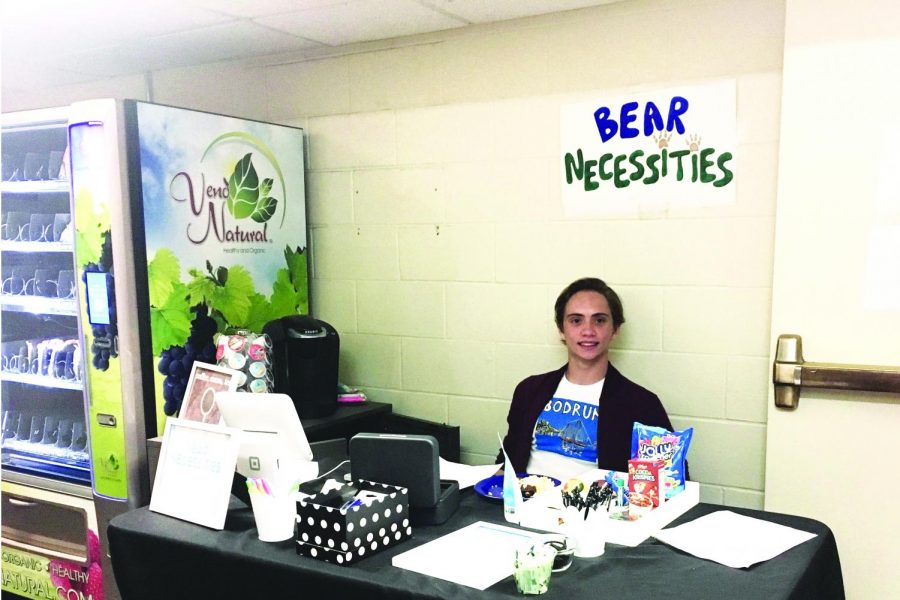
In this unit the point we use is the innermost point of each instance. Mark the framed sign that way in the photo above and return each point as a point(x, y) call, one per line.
point(195, 471)
point(200, 396)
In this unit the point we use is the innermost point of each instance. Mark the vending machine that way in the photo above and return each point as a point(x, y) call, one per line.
point(50, 533)
point(182, 225)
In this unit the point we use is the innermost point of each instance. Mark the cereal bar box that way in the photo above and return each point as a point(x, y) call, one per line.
point(646, 482)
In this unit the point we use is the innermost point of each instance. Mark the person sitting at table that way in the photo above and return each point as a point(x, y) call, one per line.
point(581, 415)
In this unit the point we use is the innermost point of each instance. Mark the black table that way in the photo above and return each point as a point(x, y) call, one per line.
point(155, 556)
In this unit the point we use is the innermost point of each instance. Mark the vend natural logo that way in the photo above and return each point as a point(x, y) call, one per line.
point(676, 154)
point(241, 196)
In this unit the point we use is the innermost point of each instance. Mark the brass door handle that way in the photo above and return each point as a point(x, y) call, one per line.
point(790, 373)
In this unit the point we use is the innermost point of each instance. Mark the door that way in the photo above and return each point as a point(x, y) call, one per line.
point(837, 279)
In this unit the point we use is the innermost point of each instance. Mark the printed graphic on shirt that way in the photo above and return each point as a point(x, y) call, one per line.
point(569, 428)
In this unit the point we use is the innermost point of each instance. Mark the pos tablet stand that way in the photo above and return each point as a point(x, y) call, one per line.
point(410, 461)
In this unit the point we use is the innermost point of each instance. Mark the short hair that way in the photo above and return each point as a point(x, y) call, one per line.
point(590, 284)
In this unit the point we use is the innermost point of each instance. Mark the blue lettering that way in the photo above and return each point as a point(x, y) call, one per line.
point(677, 107)
point(653, 120)
point(627, 116)
point(606, 126)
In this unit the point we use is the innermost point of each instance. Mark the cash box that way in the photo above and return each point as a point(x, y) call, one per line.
point(340, 528)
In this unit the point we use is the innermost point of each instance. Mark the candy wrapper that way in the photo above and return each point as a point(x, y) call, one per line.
point(247, 353)
point(656, 443)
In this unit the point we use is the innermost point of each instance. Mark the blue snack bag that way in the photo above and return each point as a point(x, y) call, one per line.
point(657, 443)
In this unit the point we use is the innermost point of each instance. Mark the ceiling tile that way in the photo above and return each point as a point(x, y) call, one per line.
point(241, 39)
point(480, 11)
point(257, 8)
point(49, 28)
point(46, 43)
point(362, 20)
point(23, 75)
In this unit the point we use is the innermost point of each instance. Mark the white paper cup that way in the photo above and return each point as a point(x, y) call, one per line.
point(275, 516)
point(589, 534)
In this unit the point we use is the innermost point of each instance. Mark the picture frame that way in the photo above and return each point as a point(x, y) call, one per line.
point(199, 404)
point(195, 472)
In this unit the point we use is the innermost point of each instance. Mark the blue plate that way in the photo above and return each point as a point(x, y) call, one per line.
point(492, 487)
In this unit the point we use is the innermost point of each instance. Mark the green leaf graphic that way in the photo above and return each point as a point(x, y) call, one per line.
point(284, 296)
point(90, 227)
point(264, 210)
point(163, 274)
point(265, 187)
point(263, 149)
point(289, 292)
point(260, 312)
point(201, 288)
point(171, 322)
point(296, 262)
point(233, 299)
point(243, 188)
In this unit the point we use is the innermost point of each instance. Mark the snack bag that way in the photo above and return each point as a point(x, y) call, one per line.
point(656, 443)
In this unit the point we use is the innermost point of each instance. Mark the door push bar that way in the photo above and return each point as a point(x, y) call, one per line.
point(791, 372)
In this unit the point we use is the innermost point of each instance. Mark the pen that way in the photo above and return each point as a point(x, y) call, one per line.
point(351, 503)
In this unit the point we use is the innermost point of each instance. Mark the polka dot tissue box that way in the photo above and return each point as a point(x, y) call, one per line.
point(352, 522)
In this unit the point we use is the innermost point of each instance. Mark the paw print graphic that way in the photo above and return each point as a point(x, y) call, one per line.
point(662, 139)
point(693, 142)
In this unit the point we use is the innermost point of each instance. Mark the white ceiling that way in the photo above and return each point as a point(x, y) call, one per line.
point(47, 43)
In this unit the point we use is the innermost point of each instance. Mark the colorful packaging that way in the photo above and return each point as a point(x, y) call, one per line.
point(646, 478)
point(656, 443)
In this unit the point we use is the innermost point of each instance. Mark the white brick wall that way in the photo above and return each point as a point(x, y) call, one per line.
point(438, 238)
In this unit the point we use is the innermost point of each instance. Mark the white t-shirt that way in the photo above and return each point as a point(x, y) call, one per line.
point(564, 442)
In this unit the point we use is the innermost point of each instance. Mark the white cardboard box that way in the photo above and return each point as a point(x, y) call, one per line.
point(544, 512)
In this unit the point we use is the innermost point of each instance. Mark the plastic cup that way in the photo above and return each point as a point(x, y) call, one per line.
point(533, 566)
point(564, 548)
point(275, 515)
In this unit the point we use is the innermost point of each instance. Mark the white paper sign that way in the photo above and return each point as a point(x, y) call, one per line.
point(195, 472)
point(732, 539)
point(478, 555)
point(625, 154)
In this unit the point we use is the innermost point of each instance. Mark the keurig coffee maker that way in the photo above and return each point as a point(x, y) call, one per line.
point(305, 362)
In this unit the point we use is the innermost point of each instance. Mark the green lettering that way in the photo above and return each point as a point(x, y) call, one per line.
point(638, 166)
point(604, 174)
point(705, 164)
point(589, 184)
point(654, 171)
point(678, 155)
point(620, 171)
point(727, 175)
point(572, 167)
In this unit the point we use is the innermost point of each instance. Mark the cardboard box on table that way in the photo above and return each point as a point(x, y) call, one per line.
point(544, 512)
point(347, 536)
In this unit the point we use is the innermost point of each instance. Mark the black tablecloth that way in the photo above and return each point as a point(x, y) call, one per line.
point(155, 556)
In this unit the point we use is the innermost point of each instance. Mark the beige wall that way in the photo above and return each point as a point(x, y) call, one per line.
point(438, 238)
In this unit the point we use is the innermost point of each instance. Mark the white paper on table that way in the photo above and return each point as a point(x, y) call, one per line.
point(478, 555)
point(466, 475)
point(733, 540)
